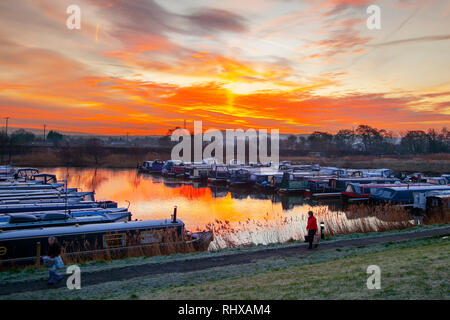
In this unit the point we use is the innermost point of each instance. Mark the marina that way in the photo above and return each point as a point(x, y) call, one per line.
point(110, 212)
point(238, 211)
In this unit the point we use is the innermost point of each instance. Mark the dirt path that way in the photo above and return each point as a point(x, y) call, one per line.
point(129, 272)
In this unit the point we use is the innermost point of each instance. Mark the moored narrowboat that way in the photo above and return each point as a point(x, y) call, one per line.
point(289, 184)
point(438, 203)
point(340, 184)
point(239, 178)
point(401, 195)
point(358, 191)
point(219, 174)
point(197, 172)
point(52, 219)
point(115, 240)
point(154, 166)
point(48, 206)
point(267, 181)
point(173, 169)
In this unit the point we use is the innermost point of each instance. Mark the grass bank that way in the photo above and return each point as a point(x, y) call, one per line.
point(418, 270)
point(414, 269)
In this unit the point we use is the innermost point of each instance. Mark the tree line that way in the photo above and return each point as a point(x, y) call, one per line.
point(364, 140)
point(371, 141)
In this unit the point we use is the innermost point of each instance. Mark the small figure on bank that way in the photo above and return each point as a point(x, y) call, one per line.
point(53, 260)
point(311, 228)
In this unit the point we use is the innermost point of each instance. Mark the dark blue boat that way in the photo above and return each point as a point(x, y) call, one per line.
point(154, 166)
point(219, 174)
point(239, 178)
point(401, 195)
point(56, 206)
point(52, 219)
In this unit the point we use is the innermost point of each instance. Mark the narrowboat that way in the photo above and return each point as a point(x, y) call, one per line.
point(423, 201)
point(60, 197)
point(401, 195)
point(289, 184)
point(358, 191)
point(74, 212)
point(29, 187)
point(284, 167)
point(340, 184)
point(386, 173)
point(45, 192)
point(305, 167)
point(239, 178)
point(436, 180)
point(173, 169)
point(52, 219)
point(317, 184)
point(446, 177)
point(438, 203)
point(268, 181)
point(30, 207)
point(332, 171)
point(197, 172)
point(219, 174)
point(25, 173)
point(154, 166)
point(6, 173)
point(114, 240)
point(415, 178)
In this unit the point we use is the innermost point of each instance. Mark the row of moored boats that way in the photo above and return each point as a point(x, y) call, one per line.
point(35, 206)
point(375, 185)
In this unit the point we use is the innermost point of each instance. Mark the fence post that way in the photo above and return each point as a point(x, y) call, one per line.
point(38, 255)
point(322, 230)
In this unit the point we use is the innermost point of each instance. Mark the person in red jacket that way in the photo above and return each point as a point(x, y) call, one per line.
point(311, 228)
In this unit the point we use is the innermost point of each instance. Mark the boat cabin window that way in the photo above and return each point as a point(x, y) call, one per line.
point(22, 219)
point(45, 178)
point(115, 240)
point(148, 164)
point(150, 237)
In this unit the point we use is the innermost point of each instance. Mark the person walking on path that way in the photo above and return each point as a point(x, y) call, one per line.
point(311, 228)
point(53, 260)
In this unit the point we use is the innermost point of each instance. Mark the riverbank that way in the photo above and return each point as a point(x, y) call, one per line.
point(432, 163)
point(414, 265)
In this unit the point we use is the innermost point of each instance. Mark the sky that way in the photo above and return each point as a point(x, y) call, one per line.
point(141, 67)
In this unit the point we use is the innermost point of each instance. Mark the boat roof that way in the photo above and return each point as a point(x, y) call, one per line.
point(365, 178)
point(274, 173)
point(419, 188)
point(88, 228)
point(442, 196)
point(387, 185)
point(26, 169)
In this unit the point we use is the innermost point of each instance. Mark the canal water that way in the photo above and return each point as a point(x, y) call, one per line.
point(238, 217)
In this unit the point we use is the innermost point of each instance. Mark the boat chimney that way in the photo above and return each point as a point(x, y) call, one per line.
point(174, 216)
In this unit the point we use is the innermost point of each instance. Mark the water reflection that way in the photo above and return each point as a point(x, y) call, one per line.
point(238, 216)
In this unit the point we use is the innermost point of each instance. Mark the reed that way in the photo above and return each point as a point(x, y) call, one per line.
point(279, 228)
point(169, 242)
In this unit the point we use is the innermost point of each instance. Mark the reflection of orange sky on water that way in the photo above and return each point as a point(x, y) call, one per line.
point(151, 198)
point(252, 220)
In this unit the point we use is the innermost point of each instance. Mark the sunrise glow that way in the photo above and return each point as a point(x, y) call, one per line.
point(143, 67)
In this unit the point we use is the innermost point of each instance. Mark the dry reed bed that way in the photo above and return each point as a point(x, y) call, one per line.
point(279, 229)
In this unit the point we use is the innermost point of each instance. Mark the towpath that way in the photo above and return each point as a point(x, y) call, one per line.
point(181, 266)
